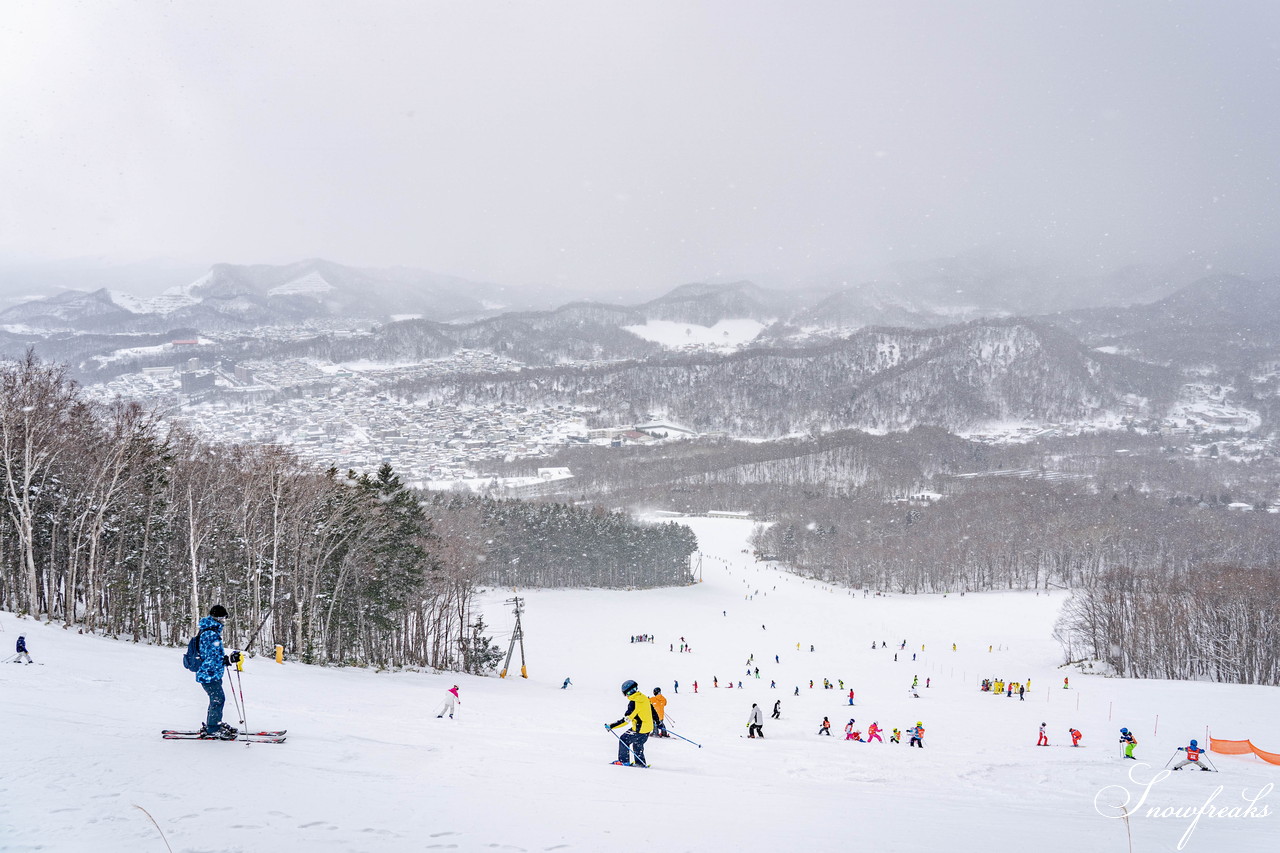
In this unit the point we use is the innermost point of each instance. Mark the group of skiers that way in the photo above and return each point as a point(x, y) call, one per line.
point(1009, 689)
point(642, 638)
point(852, 732)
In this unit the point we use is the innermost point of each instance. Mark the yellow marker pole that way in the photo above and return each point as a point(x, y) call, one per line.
point(279, 654)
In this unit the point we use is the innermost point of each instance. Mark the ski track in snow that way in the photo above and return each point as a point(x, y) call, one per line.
point(524, 765)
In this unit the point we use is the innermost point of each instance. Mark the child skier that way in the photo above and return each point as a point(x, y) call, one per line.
point(895, 736)
point(873, 733)
point(1193, 751)
point(849, 733)
point(640, 715)
point(1129, 741)
point(1043, 740)
point(825, 728)
point(1075, 736)
point(659, 703)
point(450, 699)
point(917, 735)
point(22, 651)
point(850, 696)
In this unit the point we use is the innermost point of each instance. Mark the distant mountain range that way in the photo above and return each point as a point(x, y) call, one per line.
point(1225, 322)
point(243, 297)
point(229, 297)
point(886, 356)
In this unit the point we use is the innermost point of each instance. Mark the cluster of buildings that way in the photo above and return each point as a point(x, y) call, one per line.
point(341, 415)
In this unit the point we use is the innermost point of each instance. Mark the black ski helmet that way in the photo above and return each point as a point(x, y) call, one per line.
point(629, 687)
point(657, 690)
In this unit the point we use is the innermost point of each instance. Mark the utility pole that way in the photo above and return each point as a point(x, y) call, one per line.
point(516, 636)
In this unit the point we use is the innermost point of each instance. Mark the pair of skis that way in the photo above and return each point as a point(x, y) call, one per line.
point(243, 737)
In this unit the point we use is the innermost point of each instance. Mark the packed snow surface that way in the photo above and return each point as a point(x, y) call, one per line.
point(312, 282)
point(726, 334)
point(524, 765)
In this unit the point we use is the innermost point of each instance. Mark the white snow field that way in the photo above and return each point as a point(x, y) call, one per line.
point(525, 765)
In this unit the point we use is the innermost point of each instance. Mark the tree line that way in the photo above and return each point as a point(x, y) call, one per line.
point(549, 544)
point(1218, 622)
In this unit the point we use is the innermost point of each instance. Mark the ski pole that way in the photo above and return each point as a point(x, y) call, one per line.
point(682, 737)
point(243, 710)
point(1212, 766)
point(1170, 761)
point(624, 743)
point(231, 688)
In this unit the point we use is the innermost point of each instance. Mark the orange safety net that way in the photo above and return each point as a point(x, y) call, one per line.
point(1241, 747)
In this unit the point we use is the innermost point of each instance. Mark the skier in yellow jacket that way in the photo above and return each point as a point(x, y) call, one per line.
point(641, 717)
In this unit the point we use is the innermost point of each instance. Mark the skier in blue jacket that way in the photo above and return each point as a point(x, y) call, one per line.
point(213, 662)
point(22, 650)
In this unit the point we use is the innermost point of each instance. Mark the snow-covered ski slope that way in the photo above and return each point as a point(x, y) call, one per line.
point(525, 765)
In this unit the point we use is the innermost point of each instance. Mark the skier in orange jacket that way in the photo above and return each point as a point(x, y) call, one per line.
point(659, 704)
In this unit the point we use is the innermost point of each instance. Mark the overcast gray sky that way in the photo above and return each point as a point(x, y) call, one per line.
point(640, 143)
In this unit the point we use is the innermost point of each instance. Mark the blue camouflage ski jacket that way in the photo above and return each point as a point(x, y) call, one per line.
point(211, 652)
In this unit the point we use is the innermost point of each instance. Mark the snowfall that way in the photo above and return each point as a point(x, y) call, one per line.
point(526, 765)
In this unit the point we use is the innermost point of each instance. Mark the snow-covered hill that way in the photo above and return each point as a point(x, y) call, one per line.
point(524, 765)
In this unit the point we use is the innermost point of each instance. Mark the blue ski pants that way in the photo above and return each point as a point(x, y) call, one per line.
point(636, 741)
point(216, 700)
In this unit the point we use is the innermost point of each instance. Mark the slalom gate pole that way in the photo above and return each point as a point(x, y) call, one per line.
point(683, 738)
point(624, 743)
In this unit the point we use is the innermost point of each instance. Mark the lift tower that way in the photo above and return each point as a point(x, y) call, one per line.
point(517, 636)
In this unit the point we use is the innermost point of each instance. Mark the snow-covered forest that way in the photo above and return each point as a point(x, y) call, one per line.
point(881, 379)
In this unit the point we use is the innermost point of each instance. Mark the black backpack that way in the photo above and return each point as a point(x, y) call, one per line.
point(192, 659)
